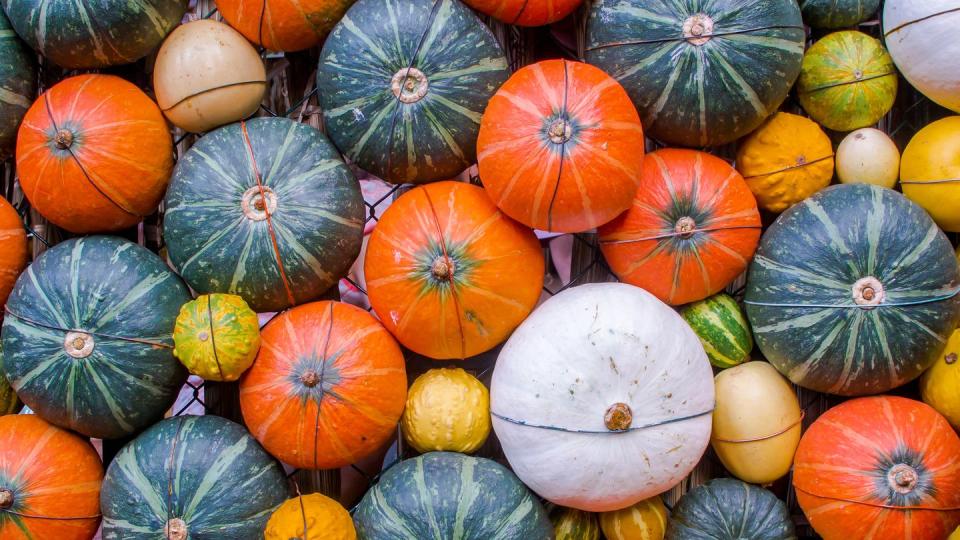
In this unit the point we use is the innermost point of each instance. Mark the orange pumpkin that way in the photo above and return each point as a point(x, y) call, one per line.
point(693, 227)
point(449, 275)
point(879, 467)
point(327, 388)
point(49, 481)
point(526, 12)
point(94, 154)
point(284, 25)
point(13, 249)
point(561, 147)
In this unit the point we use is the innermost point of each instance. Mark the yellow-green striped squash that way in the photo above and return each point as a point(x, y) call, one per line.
point(722, 328)
point(217, 337)
point(573, 524)
point(645, 520)
point(18, 84)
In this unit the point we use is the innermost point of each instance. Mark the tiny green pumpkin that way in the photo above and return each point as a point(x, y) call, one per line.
point(217, 337)
point(722, 328)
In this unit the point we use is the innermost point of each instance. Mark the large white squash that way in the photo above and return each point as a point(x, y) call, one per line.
point(921, 38)
point(590, 361)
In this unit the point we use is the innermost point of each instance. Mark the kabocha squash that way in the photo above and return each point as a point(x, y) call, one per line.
point(691, 230)
point(94, 154)
point(403, 84)
point(646, 520)
point(284, 25)
point(609, 367)
point(930, 171)
point(561, 147)
point(722, 328)
point(879, 467)
point(13, 248)
point(310, 516)
point(526, 12)
point(573, 524)
point(266, 210)
point(940, 384)
point(727, 509)
point(18, 78)
point(868, 156)
point(191, 477)
point(853, 291)
point(701, 74)
point(216, 337)
point(324, 350)
point(87, 339)
point(448, 496)
point(49, 481)
point(447, 409)
point(9, 402)
point(837, 14)
point(441, 271)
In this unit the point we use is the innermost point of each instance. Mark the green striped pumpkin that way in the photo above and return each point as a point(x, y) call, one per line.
point(853, 245)
point(191, 477)
point(573, 524)
point(9, 402)
point(18, 84)
point(729, 509)
point(449, 496)
point(701, 73)
point(88, 337)
point(722, 328)
point(216, 224)
point(837, 13)
point(419, 125)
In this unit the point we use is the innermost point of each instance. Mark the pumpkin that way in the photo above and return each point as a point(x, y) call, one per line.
point(207, 75)
point(955, 535)
point(868, 156)
point(95, 34)
point(284, 25)
point(940, 384)
point(573, 524)
point(18, 78)
point(837, 14)
point(602, 379)
point(785, 161)
point(443, 495)
point(526, 12)
point(94, 154)
point(645, 520)
point(440, 270)
point(49, 481)
point(324, 349)
point(930, 171)
point(880, 467)
point(217, 337)
point(402, 95)
point(561, 147)
point(87, 339)
point(853, 291)
point(447, 409)
point(312, 515)
point(722, 328)
point(699, 74)
point(191, 477)
point(265, 210)
point(13, 248)
point(756, 422)
point(9, 402)
point(847, 81)
point(691, 230)
point(727, 509)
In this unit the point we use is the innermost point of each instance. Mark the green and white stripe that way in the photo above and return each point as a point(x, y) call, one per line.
point(722, 328)
point(18, 84)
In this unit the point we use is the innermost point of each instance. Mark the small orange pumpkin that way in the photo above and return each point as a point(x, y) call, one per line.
point(13, 249)
point(284, 25)
point(526, 12)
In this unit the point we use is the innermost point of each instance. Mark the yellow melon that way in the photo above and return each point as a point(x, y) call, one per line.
point(930, 171)
point(940, 384)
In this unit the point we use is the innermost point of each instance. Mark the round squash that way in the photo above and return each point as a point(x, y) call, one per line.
point(561, 147)
point(265, 210)
point(832, 14)
point(940, 384)
point(785, 161)
point(216, 337)
point(18, 78)
point(691, 230)
point(13, 248)
point(868, 156)
point(87, 338)
point(879, 467)
point(324, 350)
point(930, 171)
point(602, 379)
point(444, 495)
point(284, 25)
point(526, 12)
point(207, 75)
point(9, 402)
point(310, 516)
point(447, 409)
point(700, 74)
point(440, 270)
point(645, 520)
point(403, 85)
point(191, 477)
point(94, 154)
point(573, 524)
point(848, 81)
point(49, 481)
point(727, 509)
point(853, 291)
point(756, 423)
point(722, 328)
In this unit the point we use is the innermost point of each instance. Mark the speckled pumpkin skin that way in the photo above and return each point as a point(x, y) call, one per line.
point(18, 78)
point(217, 337)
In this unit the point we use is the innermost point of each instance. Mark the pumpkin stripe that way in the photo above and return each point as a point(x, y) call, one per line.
point(468, 495)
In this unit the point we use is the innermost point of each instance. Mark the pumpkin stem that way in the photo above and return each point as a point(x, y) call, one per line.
point(310, 378)
point(560, 131)
point(6, 498)
point(698, 29)
point(618, 417)
point(902, 478)
point(685, 227)
point(78, 344)
point(255, 204)
point(410, 85)
point(442, 268)
point(867, 292)
point(175, 529)
point(63, 139)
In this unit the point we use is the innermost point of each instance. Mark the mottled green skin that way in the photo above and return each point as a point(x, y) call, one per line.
point(703, 95)
point(318, 220)
point(435, 137)
point(18, 84)
point(449, 496)
point(95, 34)
point(833, 14)
point(9, 403)
point(722, 328)
point(814, 253)
point(205, 470)
point(728, 509)
point(105, 285)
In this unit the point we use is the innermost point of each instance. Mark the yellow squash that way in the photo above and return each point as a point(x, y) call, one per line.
point(645, 520)
point(955, 535)
point(930, 171)
point(310, 517)
point(940, 384)
point(217, 337)
point(447, 410)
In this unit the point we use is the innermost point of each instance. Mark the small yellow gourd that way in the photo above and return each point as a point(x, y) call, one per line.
point(647, 519)
point(940, 384)
point(930, 171)
point(868, 156)
point(217, 337)
point(310, 517)
point(447, 410)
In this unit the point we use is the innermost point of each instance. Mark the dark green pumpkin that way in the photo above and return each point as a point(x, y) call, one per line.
point(832, 14)
point(88, 336)
point(449, 496)
point(9, 403)
point(419, 128)
point(867, 248)
point(728, 509)
point(203, 475)
point(216, 228)
point(699, 91)
point(18, 84)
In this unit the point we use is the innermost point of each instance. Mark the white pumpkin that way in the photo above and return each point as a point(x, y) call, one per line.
point(920, 35)
point(589, 361)
point(868, 156)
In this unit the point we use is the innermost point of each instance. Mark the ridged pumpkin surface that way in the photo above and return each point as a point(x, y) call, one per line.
point(526, 12)
point(284, 25)
point(837, 13)
point(310, 516)
point(930, 171)
point(18, 78)
point(447, 410)
point(940, 384)
point(217, 337)
point(722, 328)
point(573, 524)
point(13, 248)
point(727, 508)
point(646, 520)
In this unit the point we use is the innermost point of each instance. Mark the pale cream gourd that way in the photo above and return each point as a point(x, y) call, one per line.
point(868, 156)
point(920, 36)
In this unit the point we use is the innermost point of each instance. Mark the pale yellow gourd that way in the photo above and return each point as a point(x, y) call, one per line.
point(940, 384)
point(447, 410)
point(868, 156)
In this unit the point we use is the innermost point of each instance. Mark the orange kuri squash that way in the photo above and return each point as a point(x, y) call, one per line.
point(13, 249)
point(284, 25)
point(526, 12)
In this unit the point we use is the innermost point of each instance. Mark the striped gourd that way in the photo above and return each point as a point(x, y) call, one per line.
point(403, 84)
point(876, 253)
point(728, 508)
point(722, 328)
point(837, 13)
point(9, 402)
point(87, 338)
point(217, 336)
point(18, 84)
point(191, 477)
point(646, 520)
point(700, 73)
point(449, 496)
point(573, 524)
